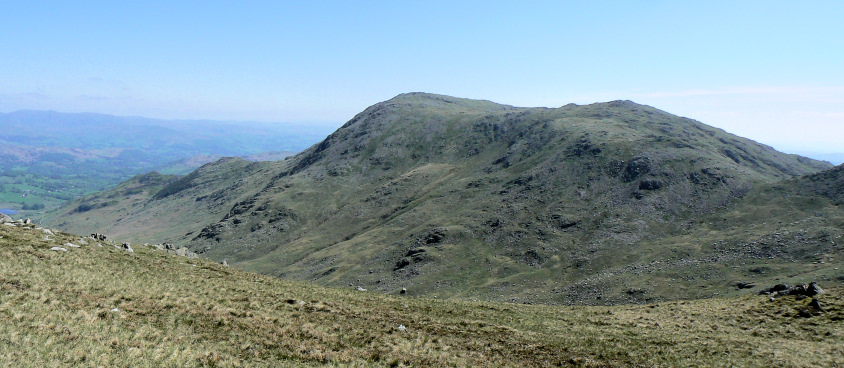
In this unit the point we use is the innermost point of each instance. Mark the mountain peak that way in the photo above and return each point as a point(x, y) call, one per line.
point(424, 99)
point(426, 188)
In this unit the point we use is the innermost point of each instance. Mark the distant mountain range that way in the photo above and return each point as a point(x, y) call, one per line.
point(598, 204)
point(49, 157)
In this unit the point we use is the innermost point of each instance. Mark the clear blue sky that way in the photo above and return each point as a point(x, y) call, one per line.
point(772, 71)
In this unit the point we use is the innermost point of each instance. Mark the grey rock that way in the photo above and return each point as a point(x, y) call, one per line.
point(127, 247)
point(745, 285)
point(47, 231)
point(27, 221)
point(185, 252)
point(816, 305)
point(224, 263)
point(800, 291)
point(70, 245)
point(59, 249)
point(99, 237)
point(814, 289)
point(5, 218)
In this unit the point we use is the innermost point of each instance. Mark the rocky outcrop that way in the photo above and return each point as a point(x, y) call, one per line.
point(99, 237)
point(778, 290)
point(185, 252)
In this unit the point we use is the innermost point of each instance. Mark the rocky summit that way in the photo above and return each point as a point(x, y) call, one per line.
point(605, 203)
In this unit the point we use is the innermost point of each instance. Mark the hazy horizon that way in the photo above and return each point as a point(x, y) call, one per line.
point(768, 71)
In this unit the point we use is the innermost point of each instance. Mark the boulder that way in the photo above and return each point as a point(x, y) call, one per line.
point(185, 252)
point(650, 185)
point(800, 291)
point(5, 218)
point(127, 247)
point(814, 289)
point(745, 285)
point(774, 289)
point(99, 237)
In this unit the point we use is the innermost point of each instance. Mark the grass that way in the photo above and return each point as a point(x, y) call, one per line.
point(102, 306)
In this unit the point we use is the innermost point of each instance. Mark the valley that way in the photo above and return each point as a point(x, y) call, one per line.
point(48, 158)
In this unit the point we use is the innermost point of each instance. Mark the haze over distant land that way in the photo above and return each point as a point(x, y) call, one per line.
point(48, 157)
point(769, 71)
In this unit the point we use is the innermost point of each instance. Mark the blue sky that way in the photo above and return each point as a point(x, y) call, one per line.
point(772, 71)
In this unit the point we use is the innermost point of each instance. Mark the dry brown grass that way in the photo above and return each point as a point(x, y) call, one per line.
point(57, 309)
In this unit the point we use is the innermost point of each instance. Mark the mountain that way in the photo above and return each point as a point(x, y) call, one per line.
point(185, 166)
point(47, 158)
point(73, 301)
point(597, 204)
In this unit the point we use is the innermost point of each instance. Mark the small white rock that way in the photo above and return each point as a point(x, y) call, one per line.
point(71, 245)
point(360, 289)
point(402, 328)
point(115, 310)
point(60, 249)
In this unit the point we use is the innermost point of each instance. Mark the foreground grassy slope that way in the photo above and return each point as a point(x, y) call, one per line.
point(102, 306)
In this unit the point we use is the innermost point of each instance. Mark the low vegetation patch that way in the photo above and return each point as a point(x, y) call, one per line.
point(94, 304)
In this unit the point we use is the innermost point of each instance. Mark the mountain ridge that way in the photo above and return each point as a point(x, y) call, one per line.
point(472, 199)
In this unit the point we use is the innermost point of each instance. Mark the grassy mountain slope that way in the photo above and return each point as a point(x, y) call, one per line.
point(102, 306)
point(472, 199)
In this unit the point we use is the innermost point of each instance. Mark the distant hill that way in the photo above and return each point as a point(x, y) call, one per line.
point(49, 157)
point(599, 204)
point(189, 164)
